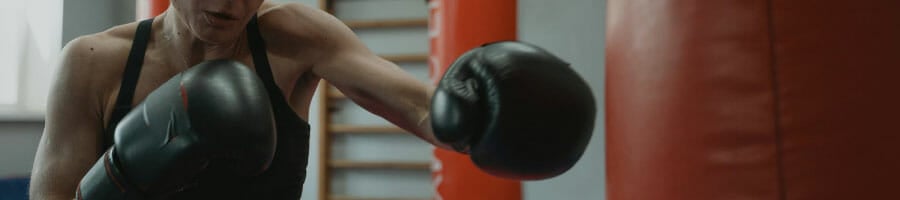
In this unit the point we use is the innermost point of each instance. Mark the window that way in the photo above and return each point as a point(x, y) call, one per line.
point(30, 41)
point(9, 52)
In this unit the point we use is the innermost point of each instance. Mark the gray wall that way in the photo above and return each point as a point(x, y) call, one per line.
point(574, 30)
point(90, 16)
point(18, 142)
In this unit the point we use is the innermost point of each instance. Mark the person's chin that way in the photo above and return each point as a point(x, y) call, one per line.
point(214, 36)
point(223, 31)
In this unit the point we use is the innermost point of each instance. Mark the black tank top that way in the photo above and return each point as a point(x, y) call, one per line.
point(284, 178)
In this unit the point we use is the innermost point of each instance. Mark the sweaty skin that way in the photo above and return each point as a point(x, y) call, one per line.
point(304, 45)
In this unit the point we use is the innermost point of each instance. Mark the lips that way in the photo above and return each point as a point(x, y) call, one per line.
point(219, 19)
point(221, 15)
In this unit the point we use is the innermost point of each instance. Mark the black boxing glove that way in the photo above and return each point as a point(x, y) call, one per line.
point(519, 111)
point(217, 110)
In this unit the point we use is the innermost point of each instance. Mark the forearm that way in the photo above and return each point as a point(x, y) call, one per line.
point(410, 112)
point(53, 197)
point(426, 133)
point(384, 89)
point(42, 187)
point(415, 117)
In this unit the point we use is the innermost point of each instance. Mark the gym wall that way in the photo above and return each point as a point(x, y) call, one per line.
point(90, 16)
point(18, 144)
point(19, 134)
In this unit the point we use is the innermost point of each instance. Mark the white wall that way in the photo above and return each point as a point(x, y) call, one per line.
point(573, 30)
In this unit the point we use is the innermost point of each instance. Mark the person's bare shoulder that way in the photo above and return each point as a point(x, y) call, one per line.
point(69, 145)
point(92, 65)
point(99, 49)
point(297, 28)
point(98, 58)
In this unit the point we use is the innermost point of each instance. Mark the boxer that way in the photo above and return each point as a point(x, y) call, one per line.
point(169, 108)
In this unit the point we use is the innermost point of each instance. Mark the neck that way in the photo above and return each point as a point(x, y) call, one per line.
point(187, 49)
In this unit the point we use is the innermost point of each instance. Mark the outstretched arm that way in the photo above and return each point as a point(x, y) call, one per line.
point(377, 85)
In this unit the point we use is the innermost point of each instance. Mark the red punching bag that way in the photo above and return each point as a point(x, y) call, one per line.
point(151, 8)
point(455, 27)
point(753, 99)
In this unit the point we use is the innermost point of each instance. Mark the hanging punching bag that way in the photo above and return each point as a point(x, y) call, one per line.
point(753, 99)
point(455, 27)
point(150, 8)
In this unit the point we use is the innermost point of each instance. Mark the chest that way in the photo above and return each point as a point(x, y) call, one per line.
point(291, 77)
